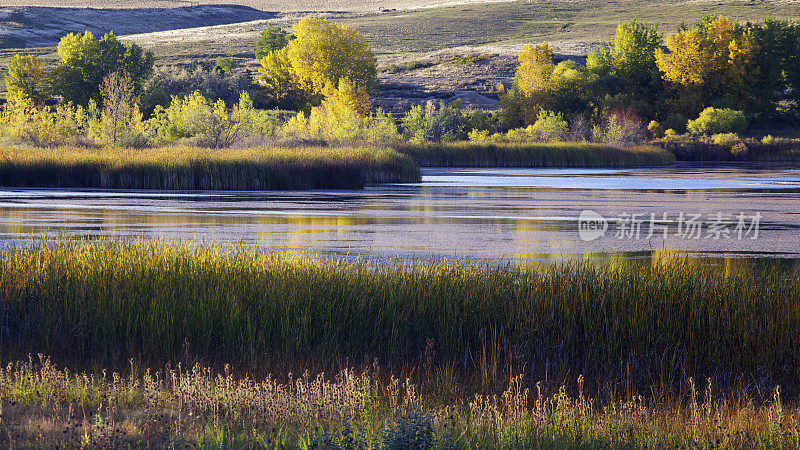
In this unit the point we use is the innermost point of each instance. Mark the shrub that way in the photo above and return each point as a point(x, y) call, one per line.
point(655, 129)
point(768, 140)
point(550, 127)
point(411, 430)
point(215, 84)
point(727, 139)
point(207, 123)
point(739, 148)
point(621, 128)
point(670, 133)
point(433, 123)
point(343, 117)
point(713, 121)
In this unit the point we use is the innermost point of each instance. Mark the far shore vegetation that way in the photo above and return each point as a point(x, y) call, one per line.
point(716, 90)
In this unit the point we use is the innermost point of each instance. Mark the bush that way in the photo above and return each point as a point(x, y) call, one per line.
point(433, 123)
point(655, 129)
point(621, 128)
point(727, 139)
point(550, 127)
point(412, 430)
point(714, 120)
point(199, 121)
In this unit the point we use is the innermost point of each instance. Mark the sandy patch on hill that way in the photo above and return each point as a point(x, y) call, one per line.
point(264, 5)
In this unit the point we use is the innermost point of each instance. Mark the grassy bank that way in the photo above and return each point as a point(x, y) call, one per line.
point(627, 329)
point(566, 154)
point(189, 168)
point(46, 407)
point(689, 149)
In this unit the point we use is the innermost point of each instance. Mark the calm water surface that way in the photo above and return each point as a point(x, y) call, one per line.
point(525, 215)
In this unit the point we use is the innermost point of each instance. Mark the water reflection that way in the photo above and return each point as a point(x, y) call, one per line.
point(524, 216)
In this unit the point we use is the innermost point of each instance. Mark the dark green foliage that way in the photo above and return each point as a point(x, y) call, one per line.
point(778, 62)
point(410, 431)
point(214, 84)
point(84, 62)
point(270, 40)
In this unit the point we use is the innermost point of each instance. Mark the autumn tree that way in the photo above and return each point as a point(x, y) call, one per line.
point(84, 62)
point(120, 113)
point(321, 54)
point(26, 82)
point(541, 84)
point(633, 51)
point(278, 76)
point(324, 52)
point(712, 63)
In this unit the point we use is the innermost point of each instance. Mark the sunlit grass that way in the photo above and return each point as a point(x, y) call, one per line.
point(624, 329)
point(177, 406)
point(558, 154)
point(190, 168)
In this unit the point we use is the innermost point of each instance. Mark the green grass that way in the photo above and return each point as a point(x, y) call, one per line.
point(189, 168)
point(624, 329)
point(565, 154)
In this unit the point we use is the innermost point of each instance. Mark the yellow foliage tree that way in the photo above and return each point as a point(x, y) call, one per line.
point(540, 84)
point(535, 69)
point(713, 60)
point(347, 96)
point(276, 72)
point(26, 82)
point(323, 52)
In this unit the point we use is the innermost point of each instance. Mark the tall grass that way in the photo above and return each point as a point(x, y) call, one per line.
point(191, 168)
point(564, 154)
point(43, 406)
point(622, 329)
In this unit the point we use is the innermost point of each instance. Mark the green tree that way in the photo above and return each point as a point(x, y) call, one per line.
point(26, 82)
point(627, 76)
point(271, 39)
point(633, 53)
point(778, 62)
point(84, 61)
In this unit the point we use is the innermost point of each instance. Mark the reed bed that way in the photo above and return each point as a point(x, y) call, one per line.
point(44, 406)
point(624, 329)
point(560, 154)
point(192, 168)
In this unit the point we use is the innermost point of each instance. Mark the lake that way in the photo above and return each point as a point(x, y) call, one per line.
point(518, 215)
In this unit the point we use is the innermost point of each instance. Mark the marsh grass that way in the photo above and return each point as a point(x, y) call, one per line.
point(560, 154)
point(624, 329)
point(44, 406)
point(192, 168)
